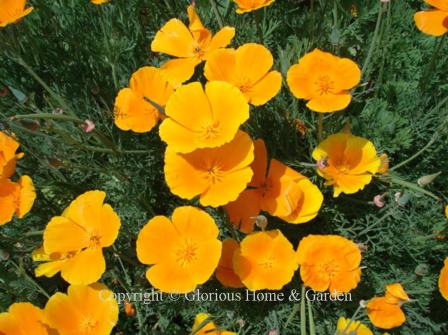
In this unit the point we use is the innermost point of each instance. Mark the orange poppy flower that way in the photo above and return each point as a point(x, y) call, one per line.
point(329, 262)
point(443, 280)
point(433, 21)
point(355, 328)
point(74, 241)
point(225, 273)
point(23, 319)
point(84, 310)
point(325, 80)
point(209, 328)
point(190, 45)
point(247, 68)
point(184, 251)
point(396, 294)
point(279, 190)
point(216, 175)
point(348, 162)
point(384, 314)
point(16, 198)
point(8, 155)
point(245, 6)
point(12, 10)
point(132, 111)
point(199, 118)
point(265, 260)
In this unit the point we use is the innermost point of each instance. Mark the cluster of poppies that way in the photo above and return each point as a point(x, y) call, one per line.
point(16, 197)
point(210, 158)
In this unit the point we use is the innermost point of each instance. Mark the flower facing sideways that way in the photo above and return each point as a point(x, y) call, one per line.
point(324, 80)
point(84, 310)
point(347, 162)
point(277, 189)
point(443, 280)
point(245, 6)
point(209, 328)
point(198, 118)
point(249, 69)
point(8, 155)
point(12, 10)
point(183, 252)
point(385, 312)
point(73, 242)
point(190, 45)
point(355, 328)
point(433, 21)
point(132, 111)
point(225, 272)
point(23, 319)
point(265, 260)
point(16, 198)
point(216, 175)
point(329, 262)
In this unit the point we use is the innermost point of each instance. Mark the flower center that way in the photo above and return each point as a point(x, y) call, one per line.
point(88, 325)
point(324, 85)
point(267, 263)
point(199, 52)
point(187, 254)
point(210, 131)
point(330, 268)
point(214, 174)
point(95, 241)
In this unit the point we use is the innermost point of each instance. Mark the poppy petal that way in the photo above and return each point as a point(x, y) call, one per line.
point(179, 70)
point(242, 211)
point(432, 22)
point(265, 89)
point(85, 268)
point(329, 102)
point(174, 39)
point(63, 235)
point(27, 196)
point(221, 39)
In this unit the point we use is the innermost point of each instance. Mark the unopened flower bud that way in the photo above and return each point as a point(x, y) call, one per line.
point(261, 221)
point(378, 200)
point(322, 163)
point(421, 270)
point(425, 180)
point(363, 303)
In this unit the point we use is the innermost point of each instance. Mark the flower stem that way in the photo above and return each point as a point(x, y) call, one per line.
point(432, 64)
point(22, 271)
point(311, 319)
point(374, 40)
point(258, 20)
point(302, 312)
point(320, 127)
point(396, 180)
point(217, 14)
point(353, 318)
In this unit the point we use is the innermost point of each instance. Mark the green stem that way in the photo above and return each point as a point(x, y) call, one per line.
point(47, 116)
point(417, 154)
point(414, 187)
point(353, 318)
point(377, 222)
point(30, 279)
point(311, 318)
point(374, 41)
point(320, 127)
point(432, 64)
point(302, 312)
point(258, 21)
point(217, 14)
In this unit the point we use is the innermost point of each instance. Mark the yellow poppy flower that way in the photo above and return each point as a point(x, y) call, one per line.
point(446, 211)
point(443, 280)
point(84, 310)
point(265, 260)
point(132, 111)
point(16, 198)
point(74, 242)
point(99, 2)
point(329, 262)
point(324, 80)
point(23, 319)
point(247, 68)
point(279, 190)
point(8, 155)
point(245, 6)
point(183, 252)
point(198, 118)
point(433, 21)
point(355, 328)
point(225, 273)
point(384, 314)
point(216, 175)
point(190, 45)
point(348, 162)
point(209, 328)
point(12, 10)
